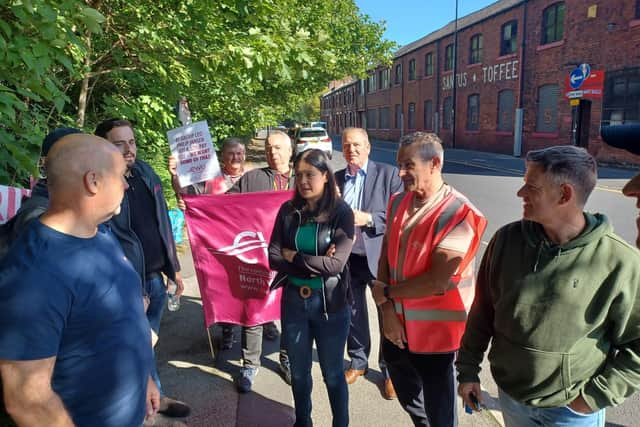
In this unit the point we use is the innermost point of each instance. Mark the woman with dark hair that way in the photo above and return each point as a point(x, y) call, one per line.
point(310, 247)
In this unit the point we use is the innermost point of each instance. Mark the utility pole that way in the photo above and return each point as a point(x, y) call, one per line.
point(455, 79)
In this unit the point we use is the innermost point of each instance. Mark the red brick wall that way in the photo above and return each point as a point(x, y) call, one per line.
point(610, 41)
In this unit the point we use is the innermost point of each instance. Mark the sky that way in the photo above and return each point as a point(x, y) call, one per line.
point(410, 20)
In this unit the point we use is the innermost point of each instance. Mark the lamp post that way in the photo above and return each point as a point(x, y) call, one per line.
point(455, 80)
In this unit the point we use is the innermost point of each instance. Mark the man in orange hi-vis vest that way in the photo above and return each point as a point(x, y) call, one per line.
point(425, 281)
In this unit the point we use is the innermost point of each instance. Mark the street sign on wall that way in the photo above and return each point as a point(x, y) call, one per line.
point(583, 82)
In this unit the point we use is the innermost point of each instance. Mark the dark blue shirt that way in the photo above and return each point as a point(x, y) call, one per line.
point(79, 300)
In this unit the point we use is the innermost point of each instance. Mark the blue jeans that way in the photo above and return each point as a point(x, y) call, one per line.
point(154, 287)
point(517, 414)
point(303, 322)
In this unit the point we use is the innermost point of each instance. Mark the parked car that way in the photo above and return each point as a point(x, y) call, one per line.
point(307, 138)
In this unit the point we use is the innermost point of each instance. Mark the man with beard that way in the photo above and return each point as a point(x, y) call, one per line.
point(144, 231)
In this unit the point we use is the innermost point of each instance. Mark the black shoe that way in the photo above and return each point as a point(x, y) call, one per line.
point(285, 371)
point(244, 382)
point(173, 408)
point(270, 331)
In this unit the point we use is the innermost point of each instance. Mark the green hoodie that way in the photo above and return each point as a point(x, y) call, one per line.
point(563, 320)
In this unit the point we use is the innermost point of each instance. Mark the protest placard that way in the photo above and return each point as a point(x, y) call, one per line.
point(191, 146)
point(10, 200)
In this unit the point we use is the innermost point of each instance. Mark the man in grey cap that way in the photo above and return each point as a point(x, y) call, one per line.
point(34, 206)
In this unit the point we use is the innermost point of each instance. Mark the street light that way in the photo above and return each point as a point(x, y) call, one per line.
point(455, 81)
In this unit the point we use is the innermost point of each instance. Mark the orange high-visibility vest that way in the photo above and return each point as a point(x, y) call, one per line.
point(433, 324)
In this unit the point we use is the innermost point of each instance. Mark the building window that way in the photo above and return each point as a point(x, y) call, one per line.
point(372, 116)
point(383, 76)
point(448, 57)
point(506, 109)
point(362, 86)
point(411, 119)
point(509, 38)
point(447, 112)
point(428, 115)
point(412, 69)
point(398, 122)
point(473, 112)
point(372, 83)
point(398, 78)
point(547, 115)
point(428, 64)
point(475, 49)
point(621, 101)
point(385, 118)
point(553, 23)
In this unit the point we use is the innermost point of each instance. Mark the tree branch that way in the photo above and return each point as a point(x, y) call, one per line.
point(110, 70)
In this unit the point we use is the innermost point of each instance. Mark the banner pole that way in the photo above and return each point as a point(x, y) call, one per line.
point(213, 354)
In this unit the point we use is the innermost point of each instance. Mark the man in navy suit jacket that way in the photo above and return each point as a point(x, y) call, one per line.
point(366, 186)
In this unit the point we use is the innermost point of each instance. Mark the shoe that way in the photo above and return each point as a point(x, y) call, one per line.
point(389, 390)
point(227, 339)
point(270, 331)
point(173, 408)
point(245, 381)
point(160, 420)
point(285, 371)
point(351, 375)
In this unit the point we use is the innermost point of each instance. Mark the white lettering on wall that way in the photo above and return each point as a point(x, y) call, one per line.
point(490, 74)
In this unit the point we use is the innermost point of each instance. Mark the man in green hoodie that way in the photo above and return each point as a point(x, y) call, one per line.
point(558, 298)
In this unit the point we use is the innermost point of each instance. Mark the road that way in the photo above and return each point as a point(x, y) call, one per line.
point(189, 372)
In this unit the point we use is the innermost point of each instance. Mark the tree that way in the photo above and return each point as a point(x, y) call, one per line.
point(241, 63)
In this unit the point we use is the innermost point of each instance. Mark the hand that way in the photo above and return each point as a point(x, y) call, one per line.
point(331, 251)
point(173, 166)
point(360, 218)
point(580, 406)
point(153, 399)
point(466, 390)
point(181, 204)
point(392, 327)
point(377, 291)
point(180, 284)
point(288, 254)
point(145, 302)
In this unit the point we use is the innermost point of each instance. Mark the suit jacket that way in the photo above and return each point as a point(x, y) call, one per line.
point(381, 182)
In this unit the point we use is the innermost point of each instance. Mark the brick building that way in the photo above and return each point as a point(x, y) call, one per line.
point(514, 62)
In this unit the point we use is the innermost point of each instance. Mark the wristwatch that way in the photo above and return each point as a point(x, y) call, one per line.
point(370, 221)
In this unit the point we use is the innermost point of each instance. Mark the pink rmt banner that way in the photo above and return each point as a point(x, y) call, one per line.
point(229, 236)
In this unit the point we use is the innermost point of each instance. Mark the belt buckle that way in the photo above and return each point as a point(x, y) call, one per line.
point(305, 291)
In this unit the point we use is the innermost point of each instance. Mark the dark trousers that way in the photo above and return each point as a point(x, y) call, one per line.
point(359, 340)
point(425, 385)
point(251, 341)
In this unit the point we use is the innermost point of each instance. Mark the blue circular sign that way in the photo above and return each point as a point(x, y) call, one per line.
point(576, 78)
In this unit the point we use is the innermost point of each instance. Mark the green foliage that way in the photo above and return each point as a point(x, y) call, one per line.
point(242, 64)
